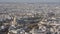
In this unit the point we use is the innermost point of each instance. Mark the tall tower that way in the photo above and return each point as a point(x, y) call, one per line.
point(14, 21)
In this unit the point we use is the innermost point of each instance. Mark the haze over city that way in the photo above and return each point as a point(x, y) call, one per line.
point(29, 16)
point(31, 1)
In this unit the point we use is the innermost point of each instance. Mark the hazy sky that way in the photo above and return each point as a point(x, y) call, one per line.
point(29, 0)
